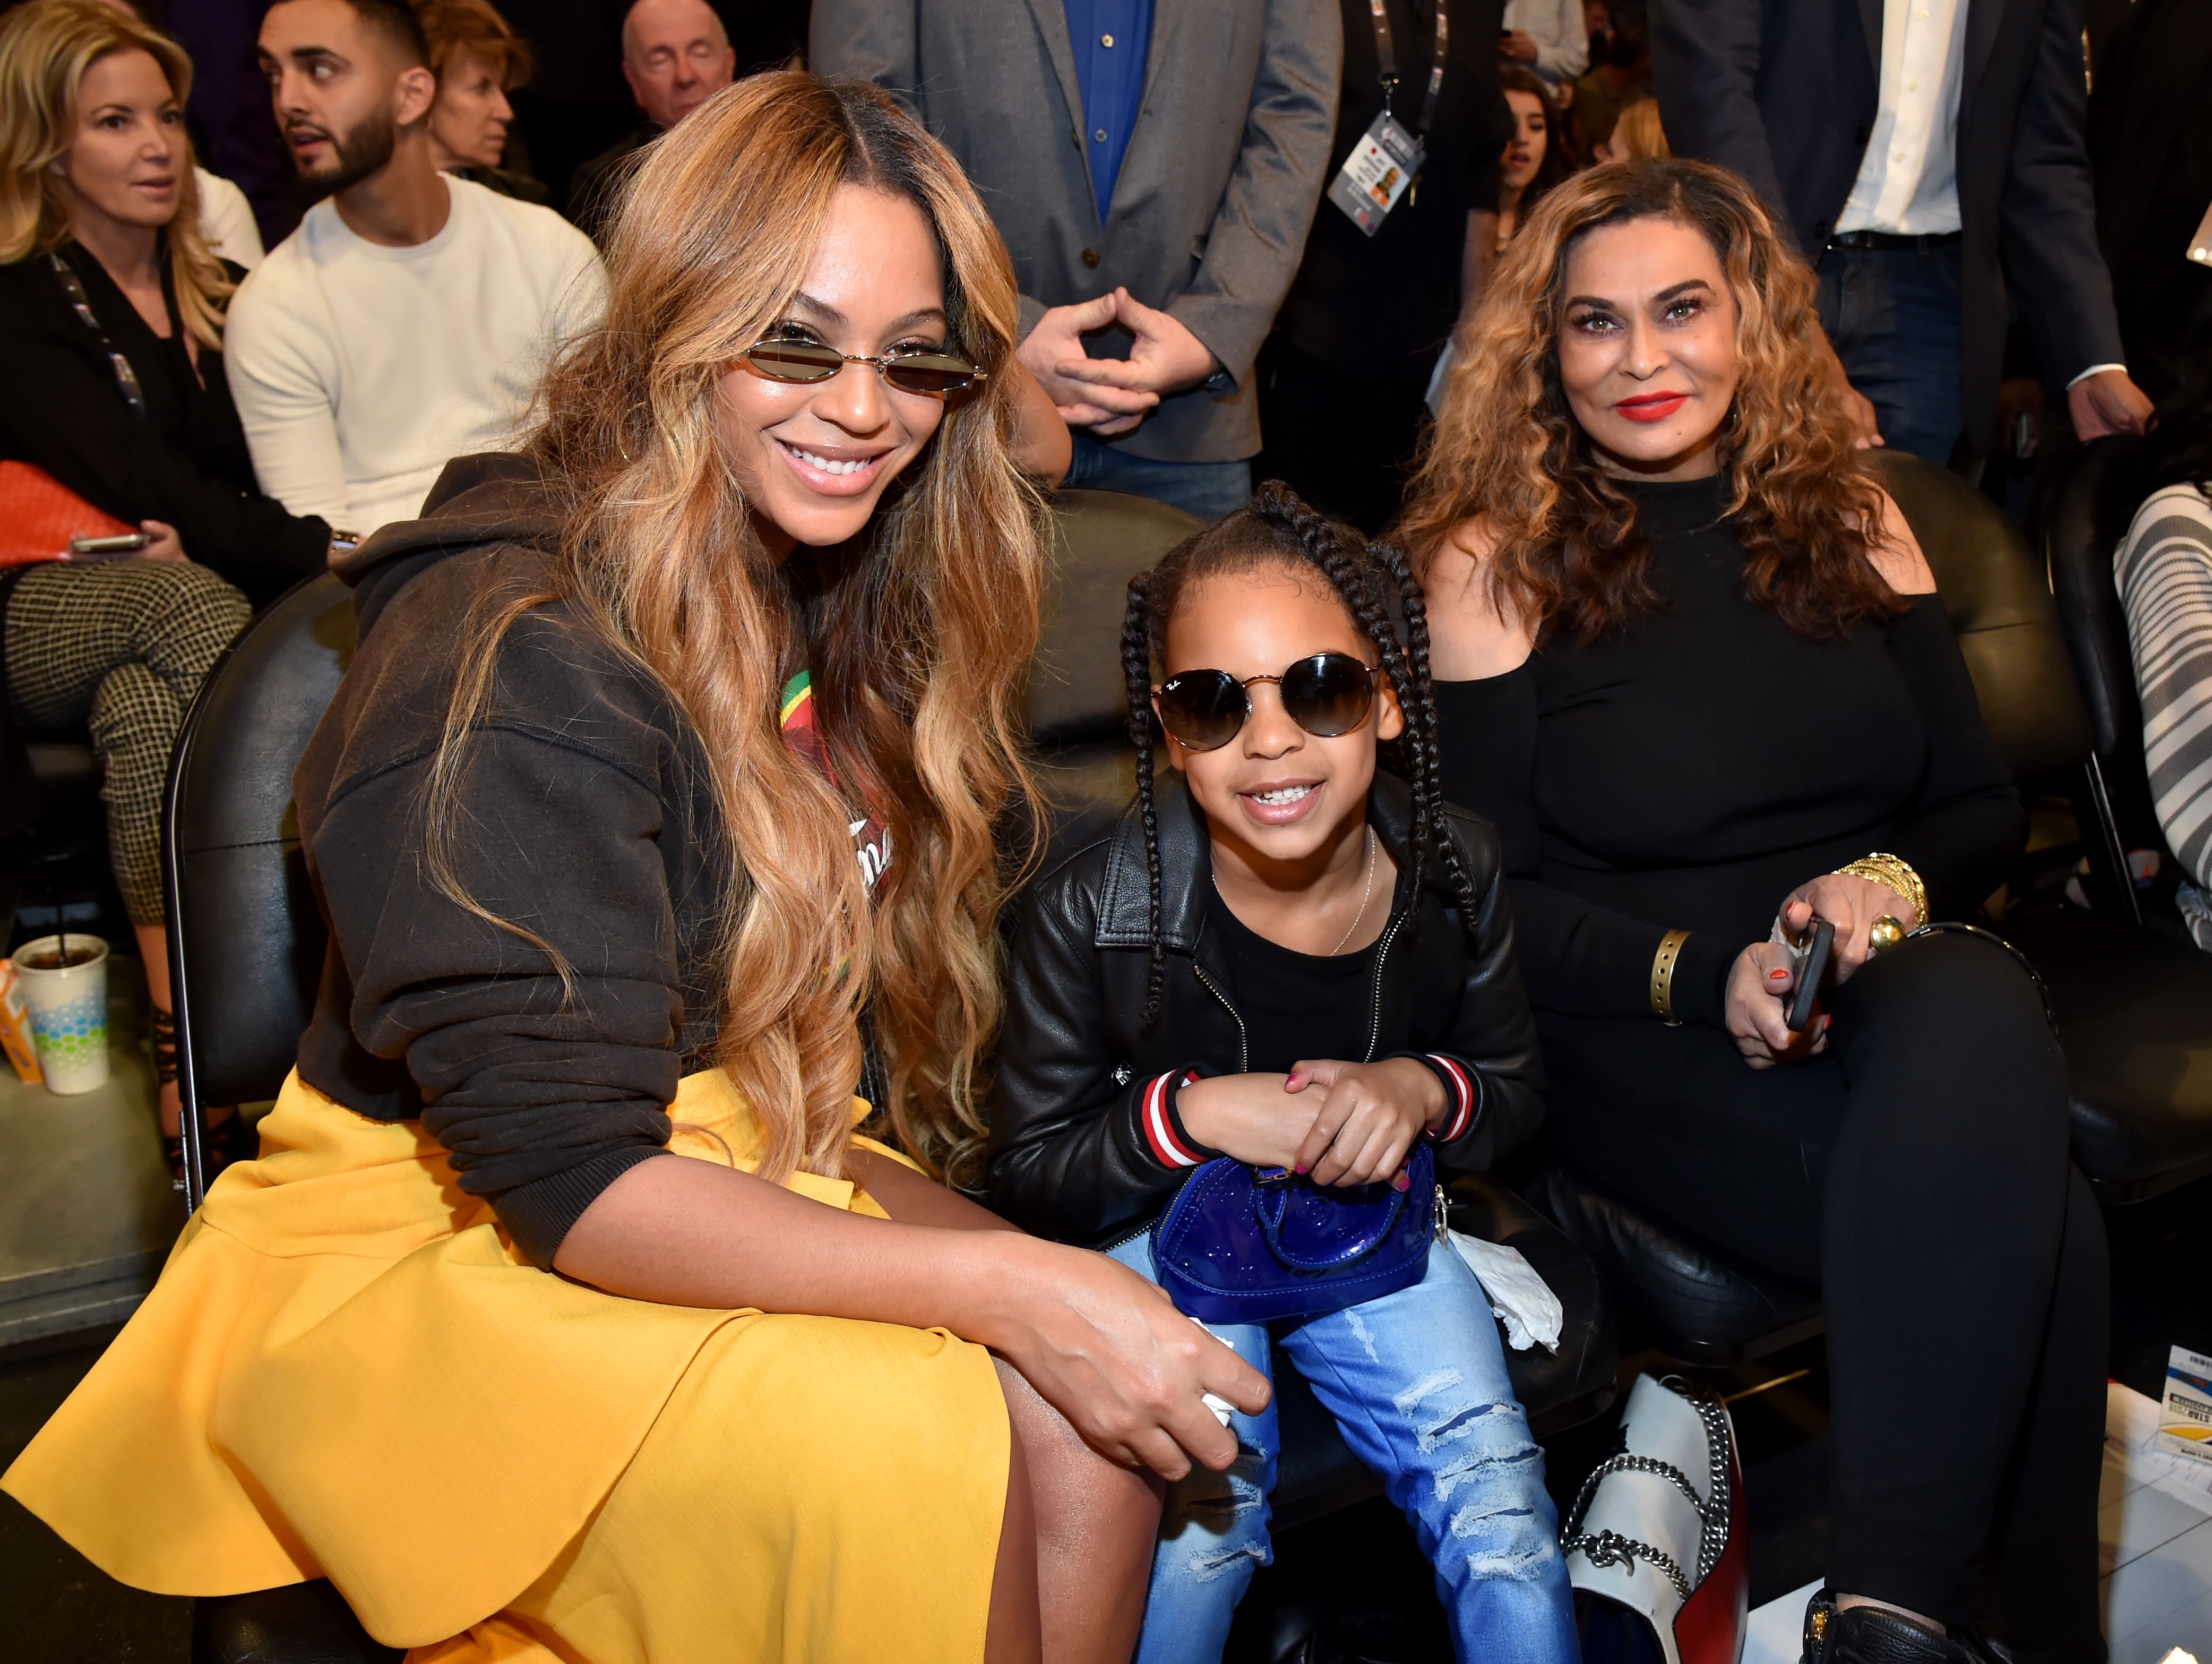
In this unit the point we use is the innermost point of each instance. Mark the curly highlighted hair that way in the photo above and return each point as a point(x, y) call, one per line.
point(1378, 586)
point(1508, 456)
point(916, 633)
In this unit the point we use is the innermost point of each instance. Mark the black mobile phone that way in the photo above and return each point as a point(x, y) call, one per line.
point(1812, 965)
point(123, 543)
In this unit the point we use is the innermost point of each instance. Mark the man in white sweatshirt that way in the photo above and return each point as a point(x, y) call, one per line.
point(411, 316)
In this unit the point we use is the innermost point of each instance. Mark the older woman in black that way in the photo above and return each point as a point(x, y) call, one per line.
point(1689, 659)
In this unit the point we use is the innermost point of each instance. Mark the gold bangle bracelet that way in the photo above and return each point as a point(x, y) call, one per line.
point(1893, 874)
point(1662, 977)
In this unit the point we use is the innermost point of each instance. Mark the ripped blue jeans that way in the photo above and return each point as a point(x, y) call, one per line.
point(1417, 1381)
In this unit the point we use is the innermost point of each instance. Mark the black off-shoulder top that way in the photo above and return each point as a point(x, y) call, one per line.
point(1690, 769)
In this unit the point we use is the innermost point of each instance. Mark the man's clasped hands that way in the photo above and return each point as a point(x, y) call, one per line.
point(1111, 396)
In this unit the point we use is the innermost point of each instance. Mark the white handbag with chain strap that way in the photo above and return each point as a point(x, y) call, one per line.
point(1655, 1542)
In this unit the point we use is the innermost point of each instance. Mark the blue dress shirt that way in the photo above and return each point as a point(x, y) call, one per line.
point(1110, 38)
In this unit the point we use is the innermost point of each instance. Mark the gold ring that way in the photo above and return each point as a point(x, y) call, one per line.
point(1884, 934)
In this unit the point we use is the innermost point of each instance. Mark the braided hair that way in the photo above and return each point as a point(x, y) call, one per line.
point(1378, 586)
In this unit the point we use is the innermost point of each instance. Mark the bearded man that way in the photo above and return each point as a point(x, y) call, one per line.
point(408, 319)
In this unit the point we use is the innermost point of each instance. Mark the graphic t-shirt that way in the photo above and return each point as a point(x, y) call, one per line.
point(802, 732)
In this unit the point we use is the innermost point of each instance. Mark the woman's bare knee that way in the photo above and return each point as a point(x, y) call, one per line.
point(1013, 1636)
point(1095, 1522)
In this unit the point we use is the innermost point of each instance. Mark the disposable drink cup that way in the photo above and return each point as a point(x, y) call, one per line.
point(65, 982)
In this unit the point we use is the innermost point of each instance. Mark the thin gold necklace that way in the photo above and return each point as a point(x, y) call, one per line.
point(1366, 894)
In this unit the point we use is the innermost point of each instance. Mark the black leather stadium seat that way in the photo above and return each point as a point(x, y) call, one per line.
point(1078, 710)
point(245, 951)
point(245, 938)
point(1686, 1300)
point(2077, 557)
point(300, 1624)
point(2135, 1006)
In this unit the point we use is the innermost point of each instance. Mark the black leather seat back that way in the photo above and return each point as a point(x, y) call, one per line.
point(1078, 710)
point(2079, 561)
point(2077, 552)
point(1105, 538)
point(1999, 604)
point(245, 938)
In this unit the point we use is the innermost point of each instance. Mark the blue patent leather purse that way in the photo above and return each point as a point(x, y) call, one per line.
point(1241, 1244)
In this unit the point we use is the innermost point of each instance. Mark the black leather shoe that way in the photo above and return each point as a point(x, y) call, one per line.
point(1869, 1635)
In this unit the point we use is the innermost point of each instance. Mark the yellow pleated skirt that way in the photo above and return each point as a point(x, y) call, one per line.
point(347, 1371)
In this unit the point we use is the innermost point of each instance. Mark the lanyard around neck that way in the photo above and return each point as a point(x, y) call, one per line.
point(1386, 55)
point(126, 379)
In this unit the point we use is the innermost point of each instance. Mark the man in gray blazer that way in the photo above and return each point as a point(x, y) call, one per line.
point(1153, 166)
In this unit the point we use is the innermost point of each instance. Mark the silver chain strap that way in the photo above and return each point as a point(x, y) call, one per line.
point(1610, 1548)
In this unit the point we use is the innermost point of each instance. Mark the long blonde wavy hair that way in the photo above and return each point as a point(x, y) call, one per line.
point(1507, 451)
point(916, 636)
point(46, 48)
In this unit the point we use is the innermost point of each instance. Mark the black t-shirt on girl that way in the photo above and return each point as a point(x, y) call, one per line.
point(1294, 1005)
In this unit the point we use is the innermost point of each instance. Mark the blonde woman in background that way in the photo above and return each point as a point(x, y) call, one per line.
point(112, 314)
point(226, 222)
point(654, 818)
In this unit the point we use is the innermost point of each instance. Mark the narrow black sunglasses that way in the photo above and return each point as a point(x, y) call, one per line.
point(1326, 695)
point(911, 370)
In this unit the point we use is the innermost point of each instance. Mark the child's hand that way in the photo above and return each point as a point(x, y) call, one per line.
point(1368, 1118)
point(1250, 1117)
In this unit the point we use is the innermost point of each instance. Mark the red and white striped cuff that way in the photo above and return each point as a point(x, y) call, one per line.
point(1460, 1085)
point(1159, 1126)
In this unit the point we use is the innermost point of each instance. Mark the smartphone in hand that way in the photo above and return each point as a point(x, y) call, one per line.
point(119, 546)
point(1812, 967)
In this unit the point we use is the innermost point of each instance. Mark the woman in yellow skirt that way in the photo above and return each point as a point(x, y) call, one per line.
point(655, 818)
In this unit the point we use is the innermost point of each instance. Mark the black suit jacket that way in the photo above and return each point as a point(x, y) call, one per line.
point(2150, 141)
point(1784, 92)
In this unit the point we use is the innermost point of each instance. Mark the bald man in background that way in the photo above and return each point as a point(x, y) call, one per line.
point(676, 56)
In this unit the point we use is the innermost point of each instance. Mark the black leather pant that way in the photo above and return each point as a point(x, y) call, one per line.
point(1918, 1174)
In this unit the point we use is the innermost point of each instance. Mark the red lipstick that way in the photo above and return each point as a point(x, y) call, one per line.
point(1651, 406)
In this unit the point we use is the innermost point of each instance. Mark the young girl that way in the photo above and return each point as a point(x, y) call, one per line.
point(1294, 962)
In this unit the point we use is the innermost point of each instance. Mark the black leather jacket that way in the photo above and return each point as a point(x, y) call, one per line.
point(1086, 1146)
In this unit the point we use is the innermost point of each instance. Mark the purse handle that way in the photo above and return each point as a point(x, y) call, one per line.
point(1272, 1197)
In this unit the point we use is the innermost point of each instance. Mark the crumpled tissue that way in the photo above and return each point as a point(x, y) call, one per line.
point(1524, 1302)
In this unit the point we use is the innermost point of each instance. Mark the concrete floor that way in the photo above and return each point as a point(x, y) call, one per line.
point(87, 1210)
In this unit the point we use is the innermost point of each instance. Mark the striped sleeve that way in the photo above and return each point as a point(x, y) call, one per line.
point(1459, 1084)
point(1462, 1093)
point(2164, 572)
point(1172, 1144)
